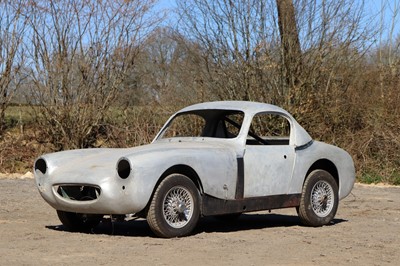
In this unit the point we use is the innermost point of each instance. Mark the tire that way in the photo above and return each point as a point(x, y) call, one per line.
point(319, 199)
point(175, 207)
point(78, 222)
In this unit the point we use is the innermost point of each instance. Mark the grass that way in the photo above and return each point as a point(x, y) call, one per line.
point(372, 177)
point(17, 115)
point(395, 178)
point(22, 114)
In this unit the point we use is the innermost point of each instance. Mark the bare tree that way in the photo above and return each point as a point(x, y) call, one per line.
point(290, 46)
point(167, 65)
point(388, 50)
point(12, 27)
point(283, 52)
point(81, 54)
point(334, 36)
point(238, 44)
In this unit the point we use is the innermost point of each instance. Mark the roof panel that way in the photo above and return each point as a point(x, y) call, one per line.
point(247, 107)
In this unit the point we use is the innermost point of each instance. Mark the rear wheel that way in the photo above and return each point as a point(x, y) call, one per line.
point(79, 222)
point(175, 207)
point(319, 199)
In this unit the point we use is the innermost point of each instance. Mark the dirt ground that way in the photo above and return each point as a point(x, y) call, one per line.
point(365, 231)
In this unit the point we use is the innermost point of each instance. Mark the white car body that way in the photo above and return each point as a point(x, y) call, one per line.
point(231, 176)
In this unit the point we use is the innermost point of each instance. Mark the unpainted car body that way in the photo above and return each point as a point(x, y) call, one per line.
point(217, 165)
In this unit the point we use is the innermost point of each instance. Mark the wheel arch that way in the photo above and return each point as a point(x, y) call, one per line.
point(177, 169)
point(327, 165)
point(183, 170)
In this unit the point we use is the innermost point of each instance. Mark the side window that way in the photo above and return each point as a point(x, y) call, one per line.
point(228, 125)
point(186, 125)
point(233, 123)
point(269, 129)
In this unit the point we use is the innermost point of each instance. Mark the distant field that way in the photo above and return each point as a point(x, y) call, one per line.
point(17, 114)
point(22, 113)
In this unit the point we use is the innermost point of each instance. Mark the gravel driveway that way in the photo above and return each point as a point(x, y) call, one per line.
point(366, 231)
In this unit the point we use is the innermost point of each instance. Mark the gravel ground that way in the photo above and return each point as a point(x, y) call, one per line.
point(365, 232)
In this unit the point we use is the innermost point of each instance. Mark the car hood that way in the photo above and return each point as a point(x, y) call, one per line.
point(90, 165)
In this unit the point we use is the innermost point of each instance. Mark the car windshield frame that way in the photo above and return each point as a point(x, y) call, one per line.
point(217, 123)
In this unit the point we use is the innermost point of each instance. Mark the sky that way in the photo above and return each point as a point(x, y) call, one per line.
point(390, 18)
point(391, 15)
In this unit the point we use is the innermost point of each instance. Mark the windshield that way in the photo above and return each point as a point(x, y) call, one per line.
point(205, 123)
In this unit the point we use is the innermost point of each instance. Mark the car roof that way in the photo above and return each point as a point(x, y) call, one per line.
point(245, 106)
point(300, 136)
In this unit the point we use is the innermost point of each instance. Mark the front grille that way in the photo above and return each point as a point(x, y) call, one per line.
point(78, 192)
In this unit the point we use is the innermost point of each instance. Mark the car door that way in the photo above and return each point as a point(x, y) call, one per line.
point(268, 158)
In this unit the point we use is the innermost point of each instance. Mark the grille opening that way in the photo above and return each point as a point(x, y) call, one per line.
point(79, 193)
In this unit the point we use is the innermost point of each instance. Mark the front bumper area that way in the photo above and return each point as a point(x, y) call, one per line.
point(77, 192)
point(109, 195)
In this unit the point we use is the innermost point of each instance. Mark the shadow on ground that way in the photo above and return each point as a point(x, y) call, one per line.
point(245, 222)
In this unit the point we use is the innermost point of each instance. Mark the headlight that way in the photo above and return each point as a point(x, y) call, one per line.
point(124, 168)
point(41, 165)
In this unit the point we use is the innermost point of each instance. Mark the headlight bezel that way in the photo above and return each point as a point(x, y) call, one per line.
point(41, 165)
point(124, 168)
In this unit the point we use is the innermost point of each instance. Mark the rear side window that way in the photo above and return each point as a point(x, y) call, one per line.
point(229, 126)
point(269, 129)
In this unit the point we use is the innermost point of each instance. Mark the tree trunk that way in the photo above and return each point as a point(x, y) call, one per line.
point(290, 49)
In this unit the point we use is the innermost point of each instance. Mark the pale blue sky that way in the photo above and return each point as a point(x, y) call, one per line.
point(391, 15)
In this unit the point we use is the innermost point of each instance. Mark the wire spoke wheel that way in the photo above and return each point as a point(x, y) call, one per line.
point(175, 207)
point(319, 199)
point(178, 207)
point(322, 198)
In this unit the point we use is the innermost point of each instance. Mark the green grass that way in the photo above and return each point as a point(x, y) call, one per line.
point(371, 177)
point(22, 114)
point(16, 115)
point(395, 178)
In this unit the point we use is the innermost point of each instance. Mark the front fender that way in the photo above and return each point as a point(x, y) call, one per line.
point(216, 168)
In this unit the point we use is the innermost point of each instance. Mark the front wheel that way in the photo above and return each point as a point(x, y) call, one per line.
point(79, 222)
point(319, 199)
point(175, 207)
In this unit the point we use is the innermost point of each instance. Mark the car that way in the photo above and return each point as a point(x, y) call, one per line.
point(218, 159)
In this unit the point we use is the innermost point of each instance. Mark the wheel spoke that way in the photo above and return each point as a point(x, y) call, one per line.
point(178, 207)
point(322, 198)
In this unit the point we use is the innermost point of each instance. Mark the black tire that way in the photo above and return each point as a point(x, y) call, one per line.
point(78, 222)
point(175, 207)
point(319, 199)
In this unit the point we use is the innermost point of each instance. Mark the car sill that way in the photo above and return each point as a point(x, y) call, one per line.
point(215, 206)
